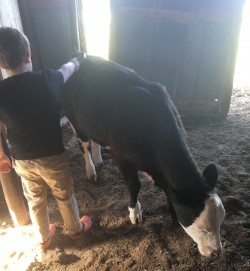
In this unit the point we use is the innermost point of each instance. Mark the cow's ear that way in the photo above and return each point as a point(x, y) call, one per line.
point(210, 173)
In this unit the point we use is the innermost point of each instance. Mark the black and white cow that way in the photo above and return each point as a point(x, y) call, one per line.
point(115, 107)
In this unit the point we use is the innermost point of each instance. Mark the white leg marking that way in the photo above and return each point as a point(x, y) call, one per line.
point(89, 165)
point(96, 154)
point(73, 129)
point(135, 213)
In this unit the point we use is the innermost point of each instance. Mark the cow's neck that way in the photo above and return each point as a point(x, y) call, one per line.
point(185, 183)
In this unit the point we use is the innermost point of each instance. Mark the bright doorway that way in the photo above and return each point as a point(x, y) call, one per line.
point(242, 69)
point(96, 15)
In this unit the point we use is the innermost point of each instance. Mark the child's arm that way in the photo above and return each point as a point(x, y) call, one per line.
point(68, 69)
point(5, 163)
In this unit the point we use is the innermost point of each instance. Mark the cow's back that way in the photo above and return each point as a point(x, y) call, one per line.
point(99, 99)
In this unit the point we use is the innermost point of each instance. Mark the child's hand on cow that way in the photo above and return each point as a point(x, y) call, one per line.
point(76, 63)
point(69, 68)
point(80, 56)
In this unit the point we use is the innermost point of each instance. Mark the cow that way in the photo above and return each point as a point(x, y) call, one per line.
point(113, 106)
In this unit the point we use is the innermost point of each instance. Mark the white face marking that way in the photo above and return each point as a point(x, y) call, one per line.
point(205, 230)
point(96, 154)
point(135, 213)
point(89, 165)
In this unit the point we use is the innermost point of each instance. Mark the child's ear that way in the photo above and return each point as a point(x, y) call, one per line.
point(28, 58)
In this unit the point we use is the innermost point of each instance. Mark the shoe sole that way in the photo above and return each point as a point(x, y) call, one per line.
point(86, 223)
point(52, 231)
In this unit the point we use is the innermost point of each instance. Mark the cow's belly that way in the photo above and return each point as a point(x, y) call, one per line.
point(94, 131)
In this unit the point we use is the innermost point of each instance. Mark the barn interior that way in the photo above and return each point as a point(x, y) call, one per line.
point(200, 51)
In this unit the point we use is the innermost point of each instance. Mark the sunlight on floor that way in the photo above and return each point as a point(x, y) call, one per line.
point(96, 16)
point(18, 249)
point(242, 70)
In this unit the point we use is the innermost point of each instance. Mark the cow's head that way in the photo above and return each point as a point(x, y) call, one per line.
point(202, 223)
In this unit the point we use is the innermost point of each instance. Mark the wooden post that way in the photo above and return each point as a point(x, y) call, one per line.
point(11, 184)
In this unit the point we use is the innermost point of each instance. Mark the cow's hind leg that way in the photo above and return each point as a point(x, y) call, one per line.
point(84, 145)
point(96, 154)
point(133, 184)
point(89, 165)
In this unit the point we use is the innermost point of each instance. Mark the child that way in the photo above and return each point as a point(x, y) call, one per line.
point(29, 108)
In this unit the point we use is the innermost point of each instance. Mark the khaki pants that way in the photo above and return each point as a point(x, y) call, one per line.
point(53, 172)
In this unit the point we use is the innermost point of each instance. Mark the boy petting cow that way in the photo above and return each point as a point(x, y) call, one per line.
point(29, 109)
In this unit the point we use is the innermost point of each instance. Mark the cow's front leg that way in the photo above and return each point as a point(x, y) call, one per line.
point(96, 154)
point(89, 165)
point(133, 184)
point(171, 208)
point(135, 214)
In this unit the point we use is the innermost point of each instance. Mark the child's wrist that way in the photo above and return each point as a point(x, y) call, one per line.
point(75, 63)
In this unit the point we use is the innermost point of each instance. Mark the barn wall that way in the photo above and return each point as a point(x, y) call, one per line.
point(9, 16)
point(52, 29)
point(189, 46)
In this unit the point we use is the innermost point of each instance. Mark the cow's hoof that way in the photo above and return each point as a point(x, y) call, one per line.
point(136, 220)
point(133, 220)
point(92, 178)
point(135, 214)
point(99, 167)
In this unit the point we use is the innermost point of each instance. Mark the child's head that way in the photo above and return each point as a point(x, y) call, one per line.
point(14, 48)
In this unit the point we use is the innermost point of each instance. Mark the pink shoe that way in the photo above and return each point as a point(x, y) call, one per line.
point(86, 225)
point(52, 231)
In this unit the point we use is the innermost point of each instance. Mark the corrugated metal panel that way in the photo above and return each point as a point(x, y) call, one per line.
point(189, 46)
point(54, 38)
point(51, 27)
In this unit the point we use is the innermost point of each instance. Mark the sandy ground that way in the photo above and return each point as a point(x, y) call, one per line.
point(113, 244)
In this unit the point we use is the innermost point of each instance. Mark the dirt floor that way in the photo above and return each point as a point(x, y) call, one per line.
point(113, 244)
